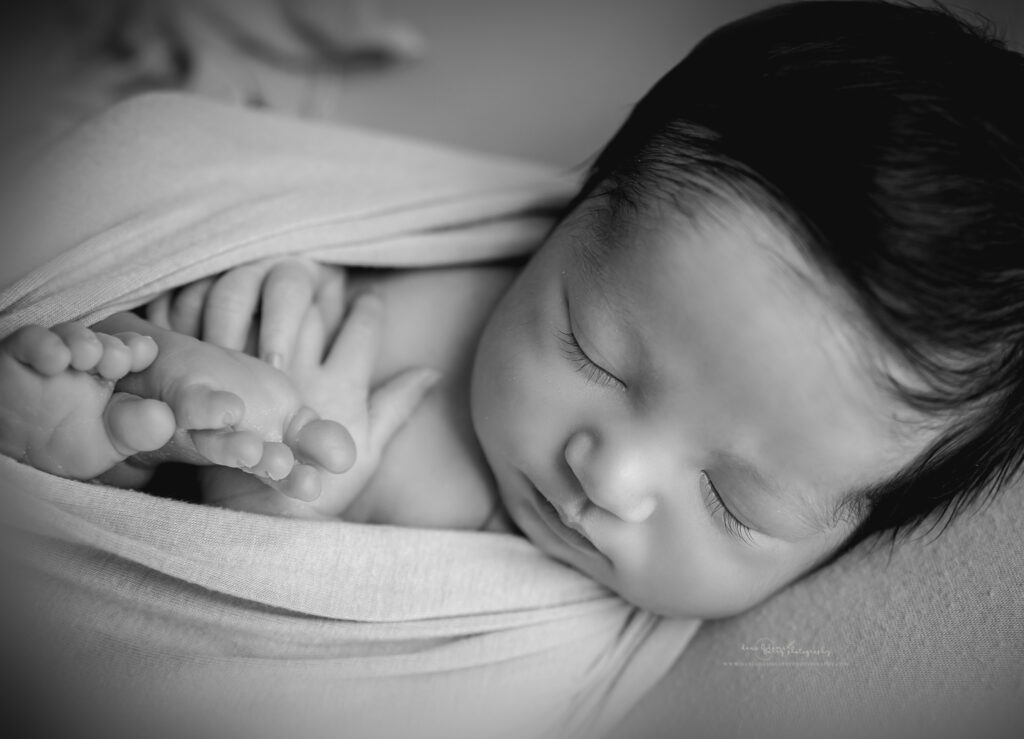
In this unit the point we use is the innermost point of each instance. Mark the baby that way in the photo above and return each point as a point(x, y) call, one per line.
point(782, 316)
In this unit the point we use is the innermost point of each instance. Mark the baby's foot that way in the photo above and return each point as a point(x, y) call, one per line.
point(60, 411)
point(234, 410)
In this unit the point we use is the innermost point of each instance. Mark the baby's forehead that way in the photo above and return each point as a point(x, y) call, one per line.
point(742, 262)
point(604, 239)
point(764, 256)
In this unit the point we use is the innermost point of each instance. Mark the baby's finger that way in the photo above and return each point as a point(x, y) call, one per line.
point(308, 353)
point(355, 349)
point(330, 298)
point(158, 312)
point(287, 292)
point(186, 311)
point(231, 306)
point(393, 403)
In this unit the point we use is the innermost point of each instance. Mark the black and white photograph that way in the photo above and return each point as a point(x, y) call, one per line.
point(534, 369)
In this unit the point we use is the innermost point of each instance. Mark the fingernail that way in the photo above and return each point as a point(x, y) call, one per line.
point(274, 359)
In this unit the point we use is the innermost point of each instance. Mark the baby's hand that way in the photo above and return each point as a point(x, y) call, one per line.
point(256, 308)
point(338, 386)
point(287, 312)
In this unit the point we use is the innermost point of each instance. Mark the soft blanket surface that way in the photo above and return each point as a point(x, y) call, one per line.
point(272, 624)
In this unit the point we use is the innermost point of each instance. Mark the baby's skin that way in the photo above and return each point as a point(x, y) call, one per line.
point(431, 473)
point(112, 401)
point(62, 414)
point(663, 404)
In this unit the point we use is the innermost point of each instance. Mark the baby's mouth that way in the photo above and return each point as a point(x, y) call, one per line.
point(567, 529)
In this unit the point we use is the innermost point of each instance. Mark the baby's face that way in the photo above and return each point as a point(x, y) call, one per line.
point(679, 418)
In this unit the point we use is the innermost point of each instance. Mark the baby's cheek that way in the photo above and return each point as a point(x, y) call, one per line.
point(727, 585)
point(514, 403)
point(509, 360)
point(494, 388)
point(512, 378)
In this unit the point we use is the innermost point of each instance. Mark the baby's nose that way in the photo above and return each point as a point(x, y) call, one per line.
point(611, 476)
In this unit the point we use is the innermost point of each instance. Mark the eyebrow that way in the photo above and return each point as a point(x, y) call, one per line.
point(593, 243)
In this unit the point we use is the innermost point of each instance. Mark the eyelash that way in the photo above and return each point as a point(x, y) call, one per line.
point(716, 504)
point(584, 364)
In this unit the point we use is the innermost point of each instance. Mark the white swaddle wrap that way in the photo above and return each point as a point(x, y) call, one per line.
point(317, 628)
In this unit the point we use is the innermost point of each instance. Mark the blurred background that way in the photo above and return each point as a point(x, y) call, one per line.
point(548, 80)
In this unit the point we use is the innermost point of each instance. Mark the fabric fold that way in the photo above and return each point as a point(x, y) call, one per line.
point(311, 627)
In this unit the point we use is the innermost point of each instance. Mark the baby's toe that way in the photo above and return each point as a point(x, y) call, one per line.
point(326, 444)
point(229, 448)
point(85, 346)
point(302, 483)
point(137, 424)
point(40, 349)
point(143, 349)
point(203, 407)
point(276, 463)
point(116, 361)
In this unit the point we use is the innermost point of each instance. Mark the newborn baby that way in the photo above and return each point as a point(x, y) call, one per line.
point(727, 364)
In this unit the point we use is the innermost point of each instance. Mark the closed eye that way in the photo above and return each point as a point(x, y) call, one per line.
point(585, 365)
point(716, 505)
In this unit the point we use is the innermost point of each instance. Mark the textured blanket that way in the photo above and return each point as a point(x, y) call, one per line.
point(276, 627)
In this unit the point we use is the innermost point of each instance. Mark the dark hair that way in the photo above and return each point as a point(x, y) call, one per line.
point(889, 141)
